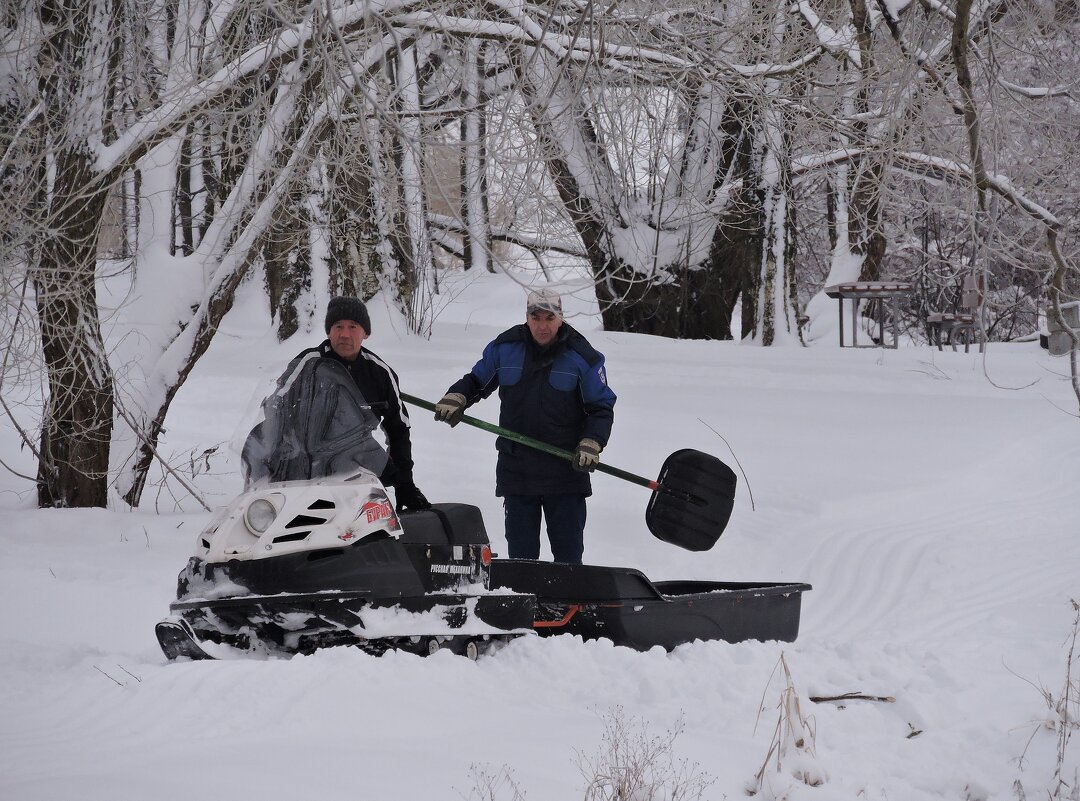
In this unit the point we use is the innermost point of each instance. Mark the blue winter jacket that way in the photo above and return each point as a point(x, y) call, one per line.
point(558, 395)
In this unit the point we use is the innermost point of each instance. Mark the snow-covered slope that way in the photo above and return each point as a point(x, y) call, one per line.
point(934, 514)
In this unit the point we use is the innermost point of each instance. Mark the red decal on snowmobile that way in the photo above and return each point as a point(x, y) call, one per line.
point(346, 536)
point(377, 510)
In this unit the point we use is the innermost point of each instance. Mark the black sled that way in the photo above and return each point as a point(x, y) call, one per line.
point(622, 605)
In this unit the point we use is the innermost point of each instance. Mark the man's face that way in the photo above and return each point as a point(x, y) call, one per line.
point(544, 326)
point(346, 337)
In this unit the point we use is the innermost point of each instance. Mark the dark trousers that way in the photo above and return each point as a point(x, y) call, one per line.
point(565, 517)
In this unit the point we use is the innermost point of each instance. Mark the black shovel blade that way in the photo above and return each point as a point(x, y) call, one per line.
point(692, 506)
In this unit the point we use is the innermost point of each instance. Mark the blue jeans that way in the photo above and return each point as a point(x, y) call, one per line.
point(565, 516)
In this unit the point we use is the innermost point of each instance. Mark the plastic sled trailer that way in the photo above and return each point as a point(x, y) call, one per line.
point(624, 606)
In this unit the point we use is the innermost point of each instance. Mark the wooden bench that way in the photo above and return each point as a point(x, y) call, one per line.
point(964, 320)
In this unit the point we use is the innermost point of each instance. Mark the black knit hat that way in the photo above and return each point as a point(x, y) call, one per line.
point(348, 309)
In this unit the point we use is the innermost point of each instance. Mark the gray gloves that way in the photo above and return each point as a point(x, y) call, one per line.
point(451, 408)
point(587, 456)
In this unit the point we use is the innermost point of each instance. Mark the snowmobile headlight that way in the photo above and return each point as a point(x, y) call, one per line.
point(260, 515)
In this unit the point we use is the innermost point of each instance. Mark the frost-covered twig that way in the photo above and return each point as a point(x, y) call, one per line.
point(150, 446)
point(632, 765)
point(737, 462)
point(853, 696)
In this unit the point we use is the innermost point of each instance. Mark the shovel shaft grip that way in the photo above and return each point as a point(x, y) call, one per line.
point(535, 443)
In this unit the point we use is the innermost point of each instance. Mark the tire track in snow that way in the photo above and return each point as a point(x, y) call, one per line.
point(925, 574)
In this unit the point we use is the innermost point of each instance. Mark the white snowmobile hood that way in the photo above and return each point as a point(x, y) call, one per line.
point(292, 516)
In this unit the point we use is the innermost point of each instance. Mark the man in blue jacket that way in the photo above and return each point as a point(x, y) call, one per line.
point(552, 387)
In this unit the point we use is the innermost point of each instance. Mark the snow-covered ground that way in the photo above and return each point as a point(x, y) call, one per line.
point(930, 498)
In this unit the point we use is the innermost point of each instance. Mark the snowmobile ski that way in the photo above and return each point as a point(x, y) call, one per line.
point(178, 641)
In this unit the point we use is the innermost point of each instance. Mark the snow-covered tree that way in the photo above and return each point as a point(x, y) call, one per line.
point(215, 114)
point(694, 156)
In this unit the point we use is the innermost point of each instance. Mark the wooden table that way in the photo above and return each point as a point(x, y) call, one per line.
point(856, 291)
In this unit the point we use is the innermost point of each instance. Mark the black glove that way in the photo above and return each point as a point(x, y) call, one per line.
point(587, 456)
point(451, 408)
point(410, 499)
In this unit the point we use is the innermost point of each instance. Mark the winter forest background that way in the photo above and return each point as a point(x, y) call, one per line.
point(700, 162)
point(685, 169)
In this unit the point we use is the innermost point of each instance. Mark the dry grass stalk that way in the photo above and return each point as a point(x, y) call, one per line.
point(792, 744)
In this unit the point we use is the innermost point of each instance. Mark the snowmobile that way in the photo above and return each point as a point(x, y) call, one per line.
point(296, 566)
point(313, 554)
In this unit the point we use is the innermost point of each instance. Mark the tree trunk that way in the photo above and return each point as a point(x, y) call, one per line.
point(350, 212)
point(638, 306)
point(217, 306)
point(77, 424)
point(866, 172)
point(287, 258)
point(413, 242)
point(474, 190)
point(736, 258)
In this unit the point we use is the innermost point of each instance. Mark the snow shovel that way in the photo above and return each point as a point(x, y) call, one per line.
point(692, 497)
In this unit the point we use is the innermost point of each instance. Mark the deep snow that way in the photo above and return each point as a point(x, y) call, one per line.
point(934, 513)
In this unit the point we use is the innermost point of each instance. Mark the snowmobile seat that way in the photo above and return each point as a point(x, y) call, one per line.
point(444, 524)
point(463, 523)
point(422, 528)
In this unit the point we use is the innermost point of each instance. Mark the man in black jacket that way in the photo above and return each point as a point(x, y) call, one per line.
point(348, 324)
point(553, 388)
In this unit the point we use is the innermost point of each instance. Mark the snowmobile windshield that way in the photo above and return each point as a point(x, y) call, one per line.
point(316, 424)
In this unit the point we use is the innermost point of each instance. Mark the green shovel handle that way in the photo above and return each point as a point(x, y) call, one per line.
point(537, 444)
